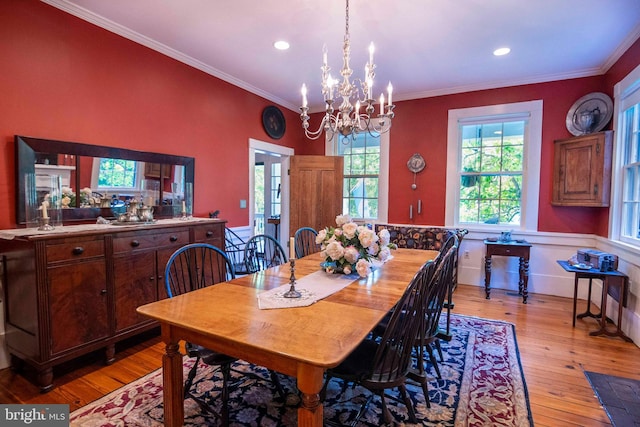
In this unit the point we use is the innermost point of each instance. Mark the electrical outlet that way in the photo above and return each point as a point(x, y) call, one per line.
point(466, 254)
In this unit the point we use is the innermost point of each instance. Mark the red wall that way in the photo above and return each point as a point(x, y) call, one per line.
point(63, 78)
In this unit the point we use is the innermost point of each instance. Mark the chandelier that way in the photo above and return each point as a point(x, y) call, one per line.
point(348, 119)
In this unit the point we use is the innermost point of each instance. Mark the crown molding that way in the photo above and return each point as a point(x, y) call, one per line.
point(136, 37)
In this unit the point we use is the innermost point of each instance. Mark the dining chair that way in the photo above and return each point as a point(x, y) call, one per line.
point(452, 241)
point(262, 252)
point(305, 242)
point(192, 267)
point(384, 363)
point(431, 312)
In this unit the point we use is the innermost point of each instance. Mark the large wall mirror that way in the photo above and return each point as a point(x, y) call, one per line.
point(100, 180)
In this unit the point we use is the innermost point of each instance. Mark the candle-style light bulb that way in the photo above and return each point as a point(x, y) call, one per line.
point(382, 103)
point(371, 49)
point(304, 95)
point(324, 55)
point(389, 92)
point(292, 248)
point(330, 83)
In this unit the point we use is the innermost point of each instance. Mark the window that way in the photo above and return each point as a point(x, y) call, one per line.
point(117, 174)
point(626, 197)
point(276, 184)
point(366, 165)
point(491, 175)
point(493, 159)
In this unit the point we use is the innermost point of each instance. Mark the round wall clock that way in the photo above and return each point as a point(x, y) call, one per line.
point(273, 122)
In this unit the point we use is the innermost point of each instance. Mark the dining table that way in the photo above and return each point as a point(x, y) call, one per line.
point(302, 342)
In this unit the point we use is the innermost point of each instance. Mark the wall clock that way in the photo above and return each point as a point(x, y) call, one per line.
point(273, 122)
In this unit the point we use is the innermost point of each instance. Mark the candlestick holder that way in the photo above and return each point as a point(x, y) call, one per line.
point(292, 293)
point(45, 225)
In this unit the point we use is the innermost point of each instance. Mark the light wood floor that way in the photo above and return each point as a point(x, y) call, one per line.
point(554, 356)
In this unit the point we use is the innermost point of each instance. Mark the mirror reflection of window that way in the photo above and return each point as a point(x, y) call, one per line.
point(115, 175)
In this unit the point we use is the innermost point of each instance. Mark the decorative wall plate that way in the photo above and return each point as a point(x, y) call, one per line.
point(273, 122)
point(589, 114)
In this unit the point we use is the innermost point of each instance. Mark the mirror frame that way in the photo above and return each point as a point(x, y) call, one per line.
point(25, 156)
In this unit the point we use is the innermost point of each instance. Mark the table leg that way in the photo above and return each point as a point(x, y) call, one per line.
point(524, 277)
point(588, 313)
point(603, 311)
point(310, 412)
point(575, 298)
point(173, 394)
point(487, 275)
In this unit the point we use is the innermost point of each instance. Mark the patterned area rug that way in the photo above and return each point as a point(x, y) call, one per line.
point(482, 384)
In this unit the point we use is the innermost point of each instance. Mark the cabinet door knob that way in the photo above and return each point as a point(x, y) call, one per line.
point(103, 292)
point(78, 250)
point(173, 238)
point(209, 233)
point(151, 279)
point(135, 243)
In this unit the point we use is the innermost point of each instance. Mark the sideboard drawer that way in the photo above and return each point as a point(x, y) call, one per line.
point(74, 250)
point(210, 233)
point(152, 240)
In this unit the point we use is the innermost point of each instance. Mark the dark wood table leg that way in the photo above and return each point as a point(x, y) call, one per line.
point(525, 279)
point(588, 313)
point(487, 275)
point(603, 310)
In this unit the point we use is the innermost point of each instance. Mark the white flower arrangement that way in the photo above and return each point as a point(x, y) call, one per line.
point(350, 247)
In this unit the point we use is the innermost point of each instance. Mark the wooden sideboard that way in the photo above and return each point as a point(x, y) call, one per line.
point(76, 289)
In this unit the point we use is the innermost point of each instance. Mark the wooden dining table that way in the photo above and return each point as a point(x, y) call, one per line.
point(301, 342)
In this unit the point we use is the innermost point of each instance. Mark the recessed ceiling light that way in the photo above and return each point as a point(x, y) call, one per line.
point(501, 51)
point(281, 45)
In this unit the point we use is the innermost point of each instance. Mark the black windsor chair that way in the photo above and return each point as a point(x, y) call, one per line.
point(305, 242)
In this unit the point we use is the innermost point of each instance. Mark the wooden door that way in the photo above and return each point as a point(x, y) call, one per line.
point(316, 191)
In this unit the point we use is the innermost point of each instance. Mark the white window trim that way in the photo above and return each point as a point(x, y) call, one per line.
point(623, 91)
point(531, 166)
point(383, 178)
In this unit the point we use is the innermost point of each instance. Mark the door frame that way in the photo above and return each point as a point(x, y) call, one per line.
point(285, 153)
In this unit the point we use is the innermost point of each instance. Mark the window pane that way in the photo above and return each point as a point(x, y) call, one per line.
point(492, 159)
point(630, 215)
point(361, 174)
point(117, 173)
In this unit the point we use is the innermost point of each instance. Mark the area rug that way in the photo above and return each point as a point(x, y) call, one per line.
point(620, 397)
point(482, 384)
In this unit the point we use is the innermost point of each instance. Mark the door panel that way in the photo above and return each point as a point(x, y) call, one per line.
point(316, 191)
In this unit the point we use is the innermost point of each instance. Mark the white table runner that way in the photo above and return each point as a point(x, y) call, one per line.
point(313, 288)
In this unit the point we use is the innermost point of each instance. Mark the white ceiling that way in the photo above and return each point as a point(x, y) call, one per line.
point(424, 47)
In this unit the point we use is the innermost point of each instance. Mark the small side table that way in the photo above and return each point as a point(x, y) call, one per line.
point(516, 248)
point(614, 283)
point(276, 224)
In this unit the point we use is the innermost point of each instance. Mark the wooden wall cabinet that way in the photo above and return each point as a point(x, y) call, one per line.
point(582, 170)
point(70, 293)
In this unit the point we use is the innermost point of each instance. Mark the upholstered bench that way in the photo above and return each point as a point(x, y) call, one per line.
point(427, 238)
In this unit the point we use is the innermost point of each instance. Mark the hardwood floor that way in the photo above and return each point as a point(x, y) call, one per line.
point(554, 356)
